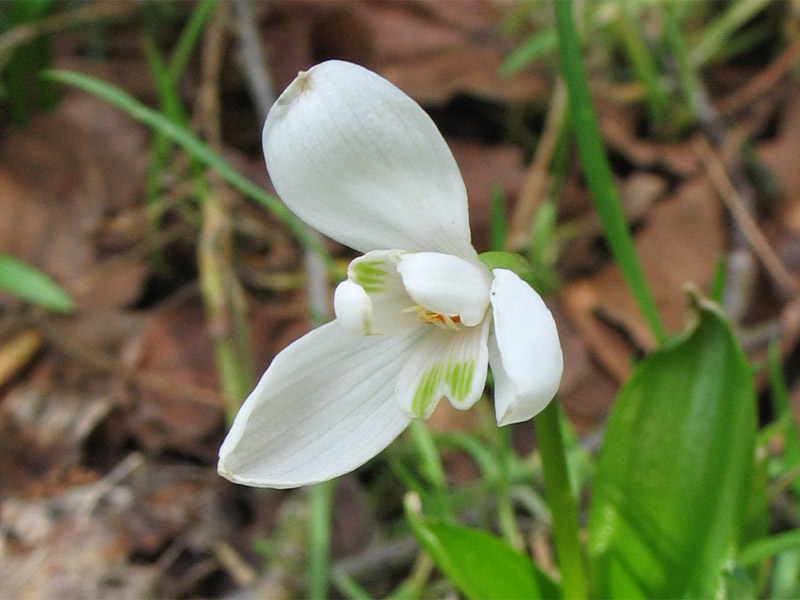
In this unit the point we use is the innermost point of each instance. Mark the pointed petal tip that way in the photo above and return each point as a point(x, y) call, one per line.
point(259, 482)
point(341, 134)
point(323, 408)
point(300, 84)
point(519, 411)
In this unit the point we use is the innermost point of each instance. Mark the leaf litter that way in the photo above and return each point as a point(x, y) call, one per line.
point(110, 420)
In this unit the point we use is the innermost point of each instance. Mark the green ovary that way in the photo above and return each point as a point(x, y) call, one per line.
point(457, 377)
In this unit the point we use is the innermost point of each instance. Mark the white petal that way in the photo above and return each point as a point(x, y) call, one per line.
point(524, 350)
point(353, 308)
point(357, 159)
point(447, 285)
point(324, 407)
point(449, 364)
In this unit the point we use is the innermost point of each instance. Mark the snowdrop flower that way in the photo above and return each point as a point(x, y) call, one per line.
point(418, 318)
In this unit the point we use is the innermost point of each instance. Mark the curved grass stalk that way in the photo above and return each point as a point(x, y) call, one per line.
point(196, 148)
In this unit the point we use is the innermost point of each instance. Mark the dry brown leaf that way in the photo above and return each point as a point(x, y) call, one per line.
point(618, 127)
point(782, 157)
point(431, 49)
point(77, 561)
point(482, 167)
point(42, 436)
point(176, 345)
point(17, 352)
point(680, 243)
point(585, 251)
point(586, 390)
point(61, 177)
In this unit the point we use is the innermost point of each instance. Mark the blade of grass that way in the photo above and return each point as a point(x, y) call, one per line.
point(716, 290)
point(160, 145)
point(770, 546)
point(783, 411)
point(167, 77)
point(498, 223)
point(536, 45)
point(505, 505)
point(597, 170)
point(194, 147)
point(189, 37)
point(28, 283)
point(717, 34)
point(687, 78)
point(641, 59)
point(166, 80)
point(431, 463)
point(166, 83)
point(348, 587)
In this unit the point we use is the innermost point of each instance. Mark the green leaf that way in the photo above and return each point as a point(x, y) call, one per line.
point(28, 283)
point(479, 564)
point(675, 471)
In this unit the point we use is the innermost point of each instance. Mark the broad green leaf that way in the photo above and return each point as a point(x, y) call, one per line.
point(479, 564)
point(675, 471)
point(28, 283)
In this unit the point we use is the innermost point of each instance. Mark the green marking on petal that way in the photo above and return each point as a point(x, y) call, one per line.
point(370, 275)
point(426, 390)
point(459, 379)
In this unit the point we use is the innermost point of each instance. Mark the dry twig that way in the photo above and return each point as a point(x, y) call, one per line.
point(253, 60)
point(741, 215)
point(763, 83)
point(534, 187)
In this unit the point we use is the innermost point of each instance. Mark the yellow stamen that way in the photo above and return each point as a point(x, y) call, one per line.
point(433, 318)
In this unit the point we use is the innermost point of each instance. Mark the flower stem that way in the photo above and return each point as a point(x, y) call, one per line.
point(319, 539)
point(562, 503)
point(505, 506)
point(431, 463)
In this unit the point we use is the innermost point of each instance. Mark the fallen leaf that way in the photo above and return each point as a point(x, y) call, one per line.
point(93, 158)
point(679, 243)
point(781, 156)
point(431, 49)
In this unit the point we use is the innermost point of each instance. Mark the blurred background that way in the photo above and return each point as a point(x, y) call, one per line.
point(181, 285)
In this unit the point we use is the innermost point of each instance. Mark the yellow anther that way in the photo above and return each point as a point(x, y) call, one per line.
point(433, 318)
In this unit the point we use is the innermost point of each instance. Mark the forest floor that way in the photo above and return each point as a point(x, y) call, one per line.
point(111, 417)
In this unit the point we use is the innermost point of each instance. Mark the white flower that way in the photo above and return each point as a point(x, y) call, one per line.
point(419, 316)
